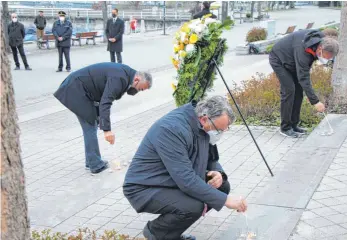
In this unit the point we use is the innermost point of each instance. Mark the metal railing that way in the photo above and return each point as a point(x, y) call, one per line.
point(73, 13)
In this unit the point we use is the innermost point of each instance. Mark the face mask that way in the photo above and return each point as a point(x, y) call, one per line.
point(132, 91)
point(62, 19)
point(214, 136)
point(114, 15)
point(322, 59)
point(14, 19)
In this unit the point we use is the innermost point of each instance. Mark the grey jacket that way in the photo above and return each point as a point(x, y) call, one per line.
point(40, 22)
point(16, 34)
point(174, 154)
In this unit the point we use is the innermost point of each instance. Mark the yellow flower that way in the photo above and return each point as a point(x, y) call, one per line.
point(193, 38)
point(177, 48)
point(186, 41)
point(183, 53)
point(181, 46)
point(172, 60)
point(185, 28)
point(174, 87)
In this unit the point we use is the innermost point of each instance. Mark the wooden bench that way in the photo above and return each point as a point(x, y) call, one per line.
point(290, 30)
point(45, 41)
point(84, 35)
point(309, 25)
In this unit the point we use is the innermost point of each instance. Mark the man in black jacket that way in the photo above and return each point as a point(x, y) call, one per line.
point(291, 59)
point(40, 23)
point(175, 171)
point(205, 10)
point(114, 33)
point(62, 30)
point(89, 93)
point(16, 34)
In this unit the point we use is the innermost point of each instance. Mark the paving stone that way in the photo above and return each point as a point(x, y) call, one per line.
point(319, 222)
point(324, 211)
point(314, 204)
point(113, 226)
point(307, 231)
point(109, 213)
point(216, 221)
point(131, 232)
point(123, 219)
point(107, 201)
point(76, 221)
point(137, 224)
point(338, 218)
point(99, 221)
point(333, 230)
point(308, 215)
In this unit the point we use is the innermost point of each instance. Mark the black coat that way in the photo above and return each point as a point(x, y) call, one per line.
point(98, 83)
point(62, 30)
point(175, 153)
point(16, 34)
point(296, 53)
point(115, 30)
point(40, 22)
point(203, 13)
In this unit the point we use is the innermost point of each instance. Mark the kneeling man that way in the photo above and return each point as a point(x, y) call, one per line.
point(175, 171)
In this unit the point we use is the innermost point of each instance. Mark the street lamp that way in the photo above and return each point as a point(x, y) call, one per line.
point(164, 9)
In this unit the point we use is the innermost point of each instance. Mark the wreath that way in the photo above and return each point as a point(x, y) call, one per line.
point(194, 45)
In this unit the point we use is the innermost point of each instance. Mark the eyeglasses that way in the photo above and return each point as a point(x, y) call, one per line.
point(219, 130)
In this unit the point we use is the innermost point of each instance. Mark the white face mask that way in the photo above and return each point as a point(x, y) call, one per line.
point(62, 19)
point(215, 136)
point(14, 19)
point(322, 59)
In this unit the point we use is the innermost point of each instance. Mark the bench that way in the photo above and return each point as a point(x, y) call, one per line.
point(290, 29)
point(309, 26)
point(84, 35)
point(45, 41)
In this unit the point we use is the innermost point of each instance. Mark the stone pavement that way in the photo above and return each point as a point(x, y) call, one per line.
point(325, 217)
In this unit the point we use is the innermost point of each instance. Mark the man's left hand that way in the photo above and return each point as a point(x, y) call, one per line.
point(217, 179)
point(60, 38)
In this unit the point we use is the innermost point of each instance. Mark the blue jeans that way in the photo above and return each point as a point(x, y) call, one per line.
point(91, 145)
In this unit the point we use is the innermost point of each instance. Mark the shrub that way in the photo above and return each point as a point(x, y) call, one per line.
point(259, 98)
point(248, 15)
point(256, 34)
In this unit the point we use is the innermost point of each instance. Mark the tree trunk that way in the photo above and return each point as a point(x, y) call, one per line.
point(339, 77)
point(259, 8)
point(104, 17)
point(252, 9)
point(5, 16)
point(14, 209)
point(224, 10)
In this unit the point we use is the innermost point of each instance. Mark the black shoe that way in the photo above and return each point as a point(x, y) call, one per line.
point(299, 130)
point(68, 70)
point(187, 237)
point(59, 70)
point(28, 68)
point(289, 133)
point(101, 169)
point(17, 68)
point(147, 234)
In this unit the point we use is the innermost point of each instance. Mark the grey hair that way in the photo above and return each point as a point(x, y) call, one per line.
point(14, 13)
point(145, 76)
point(215, 107)
point(330, 45)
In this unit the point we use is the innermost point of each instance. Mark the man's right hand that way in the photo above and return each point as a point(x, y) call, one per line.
point(236, 203)
point(109, 137)
point(319, 107)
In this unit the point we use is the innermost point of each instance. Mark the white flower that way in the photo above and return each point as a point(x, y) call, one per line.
point(210, 20)
point(190, 48)
point(183, 36)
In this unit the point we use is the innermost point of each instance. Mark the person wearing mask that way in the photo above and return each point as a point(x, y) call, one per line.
point(114, 33)
point(205, 10)
point(62, 30)
point(291, 58)
point(40, 23)
point(89, 94)
point(16, 34)
point(175, 172)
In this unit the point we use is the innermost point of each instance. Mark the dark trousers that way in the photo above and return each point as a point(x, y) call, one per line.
point(22, 55)
point(119, 57)
point(177, 210)
point(291, 94)
point(66, 52)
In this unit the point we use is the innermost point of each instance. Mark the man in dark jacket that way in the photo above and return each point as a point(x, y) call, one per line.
point(114, 33)
point(175, 171)
point(16, 34)
point(205, 10)
point(291, 59)
point(89, 93)
point(62, 30)
point(40, 23)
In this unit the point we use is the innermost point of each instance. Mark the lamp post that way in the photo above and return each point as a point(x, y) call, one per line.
point(164, 9)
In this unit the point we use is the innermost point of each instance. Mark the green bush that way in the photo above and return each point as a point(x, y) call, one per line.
point(256, 34)
point(248, 15)
point(259, 98)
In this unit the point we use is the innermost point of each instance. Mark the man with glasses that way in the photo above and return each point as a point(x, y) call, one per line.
point(175, 171)
point(90, 92)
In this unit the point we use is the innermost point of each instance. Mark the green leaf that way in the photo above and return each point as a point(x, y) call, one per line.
point(198, 57)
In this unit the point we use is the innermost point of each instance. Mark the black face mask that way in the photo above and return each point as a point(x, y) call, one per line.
point(132, 91)
point(114, 15)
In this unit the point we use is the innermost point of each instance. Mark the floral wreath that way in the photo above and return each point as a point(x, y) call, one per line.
point(194, 44)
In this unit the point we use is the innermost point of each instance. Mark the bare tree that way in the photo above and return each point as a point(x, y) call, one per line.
point(104, 17)
point(339, 77)
point(5, 16)
point(14, 208)
point(252, 8)
point(259, 8)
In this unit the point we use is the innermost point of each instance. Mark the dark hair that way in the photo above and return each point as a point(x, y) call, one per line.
point(41, 11)
point(206, 5)
point(116, 9)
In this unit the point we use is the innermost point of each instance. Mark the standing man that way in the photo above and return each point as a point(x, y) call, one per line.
point(291, 59)
point(204, 11)
point(175, 171)
point(89, 93)
point(114, 33)
point(62, 30)
point(40, 23)
point(16, 34)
